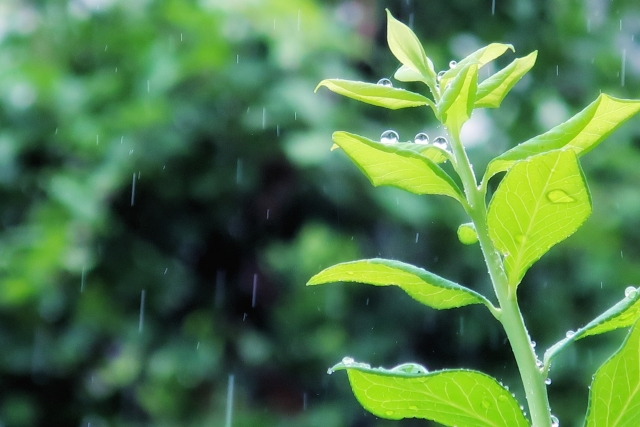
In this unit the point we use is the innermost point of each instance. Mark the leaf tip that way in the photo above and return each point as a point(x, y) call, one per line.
point(322, 83)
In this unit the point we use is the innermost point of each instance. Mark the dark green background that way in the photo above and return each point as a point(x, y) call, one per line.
point(209, 107)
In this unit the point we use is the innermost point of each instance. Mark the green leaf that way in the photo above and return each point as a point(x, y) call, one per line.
point(423, 286)
point(614, 398)
point(492, 91)
point(457, 397)
point(480, 57)
point(390, 165)
point(581, 133)
point(622, 315)
point(406, 74)
point(405, 46)
point(456, 104)
point(375, 94)
point(435, 154)
point(540, 202)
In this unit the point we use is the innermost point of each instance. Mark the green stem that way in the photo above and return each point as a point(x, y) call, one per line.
point(510, 316)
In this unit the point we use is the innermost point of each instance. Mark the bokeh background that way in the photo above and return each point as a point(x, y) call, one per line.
point(161, 159)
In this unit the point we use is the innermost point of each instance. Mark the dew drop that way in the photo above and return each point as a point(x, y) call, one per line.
point(630, 292)
point(440, 142)
point(440, 74)
point(533, 344)
point(554, 421)
point(547, 381)
point(452, 64)
point(539, 364)
point(421, 138)
point(389, 137)
point(503, 398)
point(385, 82)
point(486, 403)
point(559, 196)
point(570, 334)
point(389, 413)
point(413, 407)
point(467, 234)
point(348, 361)
point(519, 238)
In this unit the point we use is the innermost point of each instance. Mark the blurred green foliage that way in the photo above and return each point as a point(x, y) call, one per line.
point(176, 149)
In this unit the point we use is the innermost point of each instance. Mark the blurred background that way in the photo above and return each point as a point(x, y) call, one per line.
point(167, 189)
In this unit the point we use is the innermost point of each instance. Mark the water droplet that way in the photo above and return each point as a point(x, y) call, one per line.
point(533, 344)
point(385, 82)
point(554, 421)
point(570, 334)
point(539, 364)
point(547, 381)
point(486, 403)
point(413, 407)
point(452, 64)
point(421, 138)
point(503, 398)
point(348, 361)
point(559, 196)
point(389, 137)
point(440, 74)
point(440, 142)
point(389, 413)
point(467, 234)
point(631, 292)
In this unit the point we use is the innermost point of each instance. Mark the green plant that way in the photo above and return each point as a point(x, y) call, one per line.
point(542, 199)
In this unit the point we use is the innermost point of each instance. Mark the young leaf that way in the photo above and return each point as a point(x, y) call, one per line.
point(480, 57)
point(456, 104)
point(622, 315)
point(581, 133)
point(374, 94)
point(450, 397)
point(614, 398)
point(540, 202)
point(406, 74)
point(390, 165)
point(405, 46)
point(435, 154)
point(423, 286)
point(492, 91)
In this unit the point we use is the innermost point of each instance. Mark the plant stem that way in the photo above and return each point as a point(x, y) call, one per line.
point(510, 315)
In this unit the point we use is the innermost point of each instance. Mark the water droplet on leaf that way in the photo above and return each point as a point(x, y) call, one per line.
point(389, 137)
point(630, 292)
point(389, 413)
point(413, 407)
point(547, 381)
point(385, 82)
point(486, 403)
point(559, 196)
point(452, 64)
point(440, 74)
point(519, 238)
point(503, 398)
point(440, 142)
point(554, 421)
point(348, 361)
point(421, 138)
point(569, 334)
point(467, 234)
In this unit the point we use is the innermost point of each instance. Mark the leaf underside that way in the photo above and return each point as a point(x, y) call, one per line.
point(492, 91)
point(375, 94)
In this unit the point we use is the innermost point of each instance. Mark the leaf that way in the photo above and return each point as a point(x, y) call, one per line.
point(540, 202)
point(375, 94)
point(406, 47)
point(480, 57)
point(614, 398)
point(435, 154)
point(423, 286)
point(456, 104)
point(457, 397)
point(581, 133)
point(390, 165)
point(492, 91)
point(622, 315)
point(406, 74)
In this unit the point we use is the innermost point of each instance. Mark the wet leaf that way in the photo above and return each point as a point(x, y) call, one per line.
point(581, 133)
point(480, 57)
point(622, 315)
point(450, 397)
point(456, 104)
point(375, 94)
point(390, 165)
point(423, 286)
point(614, 398)
point(540, 202)
point(492, 91)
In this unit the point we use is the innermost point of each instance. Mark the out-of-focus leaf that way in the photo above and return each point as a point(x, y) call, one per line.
point(540, 202)
point(423, 286)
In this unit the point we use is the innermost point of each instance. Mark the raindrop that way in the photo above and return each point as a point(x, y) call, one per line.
point(503, 398)
point(264, 117)
point(554, 421)
point(180, 36)
point(493, 7)
point(467, 234)
point(166, 270)
point(413, 407)
point(440, 142)
point(277, 130)
point(440, 74)
point(389, 413)
point(121, 139)
point(417, 237)
point(631, 292)
point(133, 189)
point(56, 131)
point(557, 69)
point(385, 82)
point(267, 213)
point(570, 334)
point(547, 381)
point(539, 364)
point(486, 403)
point(348, 361)
point(367, 301)
point(237, 58)
point(421, 138)
point(229, 401)
point(141, 321)
point(452, 64)
point(622, 71)
point(389, 137)
point(82, 281)
point(198, 345)
point(255, 289)
point(559, 196)
point(244, 317)
point(97, 139)
point(533, 344)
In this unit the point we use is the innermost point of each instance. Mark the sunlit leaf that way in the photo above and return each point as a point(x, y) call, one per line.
point(406, 47)
point(622, 315)
point(480, 57)
point(435, 154)
point(614, 398)
point(581, 133)
point(456, 104)
point(492, 91)
point(423, 286)
point(458, 397)
point(406, 74)
point(390, 165)
point(540, 202)
point(375, 94)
